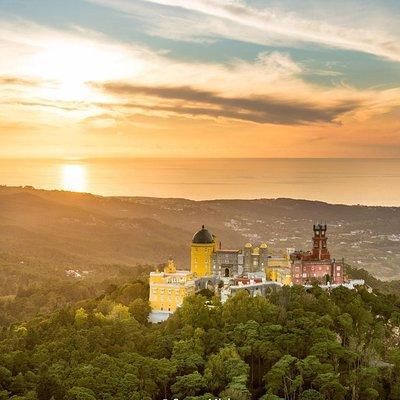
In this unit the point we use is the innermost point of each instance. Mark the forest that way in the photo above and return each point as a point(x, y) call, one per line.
point(294, 344)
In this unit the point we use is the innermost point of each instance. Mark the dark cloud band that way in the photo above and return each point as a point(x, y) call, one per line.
point(258, 109)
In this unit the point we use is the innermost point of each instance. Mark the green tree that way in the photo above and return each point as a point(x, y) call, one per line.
point(311, 394)
point(120, 313)
point(18, 385)
point(81, 317)
point(5, 377)
point(187, 356)
point(284, 378)
point(237, 389)
point(49, 388)
point(80, 393)
point(188, 385)
point(345, 327)
point(310, 367)
point(242, 308)
point(329, 385)
point(222, 368)
point(195, 312)
point(140, 310)
point(269, 396)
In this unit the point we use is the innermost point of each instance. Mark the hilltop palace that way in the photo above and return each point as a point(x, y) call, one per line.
point(251, 268)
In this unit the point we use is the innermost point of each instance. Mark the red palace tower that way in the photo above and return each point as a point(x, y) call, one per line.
point(316, 265)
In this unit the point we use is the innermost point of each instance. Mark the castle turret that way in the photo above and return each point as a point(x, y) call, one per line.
point(170, 267)
point(201, 252)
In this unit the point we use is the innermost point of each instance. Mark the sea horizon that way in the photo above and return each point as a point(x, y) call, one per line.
point(363, 181)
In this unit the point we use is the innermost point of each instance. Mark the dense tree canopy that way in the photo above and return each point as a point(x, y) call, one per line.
point(295, 344)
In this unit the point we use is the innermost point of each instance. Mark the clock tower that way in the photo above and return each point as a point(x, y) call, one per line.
point(320, 248)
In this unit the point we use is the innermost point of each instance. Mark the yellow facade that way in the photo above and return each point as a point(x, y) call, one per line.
point(202, 248)
point(286, 279)
point(278, 269)
point(201, 258)
point(169, 288)
point(278, 274)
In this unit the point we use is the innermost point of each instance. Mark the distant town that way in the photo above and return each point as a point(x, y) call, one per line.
point(255, 269)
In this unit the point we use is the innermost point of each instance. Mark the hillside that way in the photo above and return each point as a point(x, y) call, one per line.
point(76, 230)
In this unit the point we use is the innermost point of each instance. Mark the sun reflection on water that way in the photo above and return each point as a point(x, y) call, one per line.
point(73, 177)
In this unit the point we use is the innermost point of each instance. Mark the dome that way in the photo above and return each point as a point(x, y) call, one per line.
point(203, 236)
point(263, 246)
point(248, 245)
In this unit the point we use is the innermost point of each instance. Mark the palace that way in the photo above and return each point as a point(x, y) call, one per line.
point(316, 265)
point(208, 258)
point(251, 268)
point(168, 289)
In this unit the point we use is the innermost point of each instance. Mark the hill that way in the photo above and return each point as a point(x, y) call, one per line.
point(79, 230)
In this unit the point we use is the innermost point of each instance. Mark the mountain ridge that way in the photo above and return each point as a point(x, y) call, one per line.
point(90, 229)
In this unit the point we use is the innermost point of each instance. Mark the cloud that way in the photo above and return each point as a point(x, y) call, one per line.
point(18, 81)
point(50, 69)
point(261, 26)
point(59, 105)
point(258, 109)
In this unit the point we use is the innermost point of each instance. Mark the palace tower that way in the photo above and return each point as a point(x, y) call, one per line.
point(320, 248)
point(201, 252)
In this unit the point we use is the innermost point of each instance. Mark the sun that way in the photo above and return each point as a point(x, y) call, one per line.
point(69, 67)
point(73, 177)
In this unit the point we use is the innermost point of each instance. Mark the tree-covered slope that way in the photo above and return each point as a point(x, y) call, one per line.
point(294, 345)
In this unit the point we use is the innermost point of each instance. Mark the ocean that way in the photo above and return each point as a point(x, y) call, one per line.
point(344, 181)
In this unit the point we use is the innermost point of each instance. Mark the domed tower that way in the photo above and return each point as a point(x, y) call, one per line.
point(201, 252)
point(248, 250)
point(263, 257)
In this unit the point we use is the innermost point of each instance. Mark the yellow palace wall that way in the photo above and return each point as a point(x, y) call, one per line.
point(168, 297)
point(201, 259)
point(169, 288)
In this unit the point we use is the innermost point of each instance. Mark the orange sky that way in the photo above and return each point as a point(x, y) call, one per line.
point(71, 90)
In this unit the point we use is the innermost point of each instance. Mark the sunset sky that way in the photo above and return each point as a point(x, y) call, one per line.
point(199, 78)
